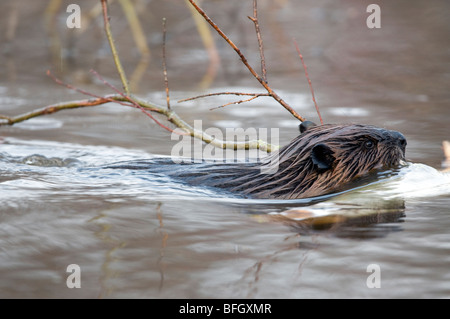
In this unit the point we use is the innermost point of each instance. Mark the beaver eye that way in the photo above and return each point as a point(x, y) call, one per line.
point(369, 144)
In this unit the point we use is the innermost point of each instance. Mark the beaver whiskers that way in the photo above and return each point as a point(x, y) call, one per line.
point(321, 160)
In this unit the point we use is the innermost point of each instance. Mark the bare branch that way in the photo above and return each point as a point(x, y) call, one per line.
point(170, 115)
point(223, 93)
point(244, 60)
point(260, 42)
point(144, 106)
point(70, 87)
point(5, 120)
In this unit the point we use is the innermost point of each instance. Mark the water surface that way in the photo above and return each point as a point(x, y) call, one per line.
point(136, 235)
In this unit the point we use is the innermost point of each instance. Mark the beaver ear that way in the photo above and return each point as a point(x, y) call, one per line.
point(306, 125)
point(322, 157)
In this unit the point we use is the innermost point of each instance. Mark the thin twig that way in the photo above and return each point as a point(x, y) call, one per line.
point(309, 81)
point(170, 115)
point(253, 96)
point(119, 67)
point(166, 81)
point(235, 102)
point(260, 42)
point(101, 99)
point(131, 101)
point(143, 106)
point(222, 93)
point(70, 87)
point(97, 101)
point(244, 60)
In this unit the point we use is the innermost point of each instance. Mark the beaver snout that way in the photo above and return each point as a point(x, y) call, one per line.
point(397, 142)
point(399, 139)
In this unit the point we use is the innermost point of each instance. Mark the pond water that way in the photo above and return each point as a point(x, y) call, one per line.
point(137, 235)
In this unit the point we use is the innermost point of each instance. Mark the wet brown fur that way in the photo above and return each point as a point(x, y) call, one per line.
point(351, 157)
point(321, 160)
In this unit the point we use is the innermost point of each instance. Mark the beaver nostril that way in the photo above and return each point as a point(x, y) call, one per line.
point(401, 140)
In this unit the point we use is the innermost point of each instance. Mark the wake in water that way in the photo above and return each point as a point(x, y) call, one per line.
point(67, 166)
point(36, 171)
point(417, 181)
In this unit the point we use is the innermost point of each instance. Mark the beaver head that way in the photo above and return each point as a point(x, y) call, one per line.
point(325, 159)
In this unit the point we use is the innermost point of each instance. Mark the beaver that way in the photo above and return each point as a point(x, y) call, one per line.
point(323, 159)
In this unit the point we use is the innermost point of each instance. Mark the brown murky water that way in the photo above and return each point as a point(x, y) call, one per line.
point(135, 235)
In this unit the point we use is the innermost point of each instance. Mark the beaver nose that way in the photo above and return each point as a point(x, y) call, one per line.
point(399, 138)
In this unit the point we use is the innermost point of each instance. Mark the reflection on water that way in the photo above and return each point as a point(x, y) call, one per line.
point(136, 234)
point(347, 219)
